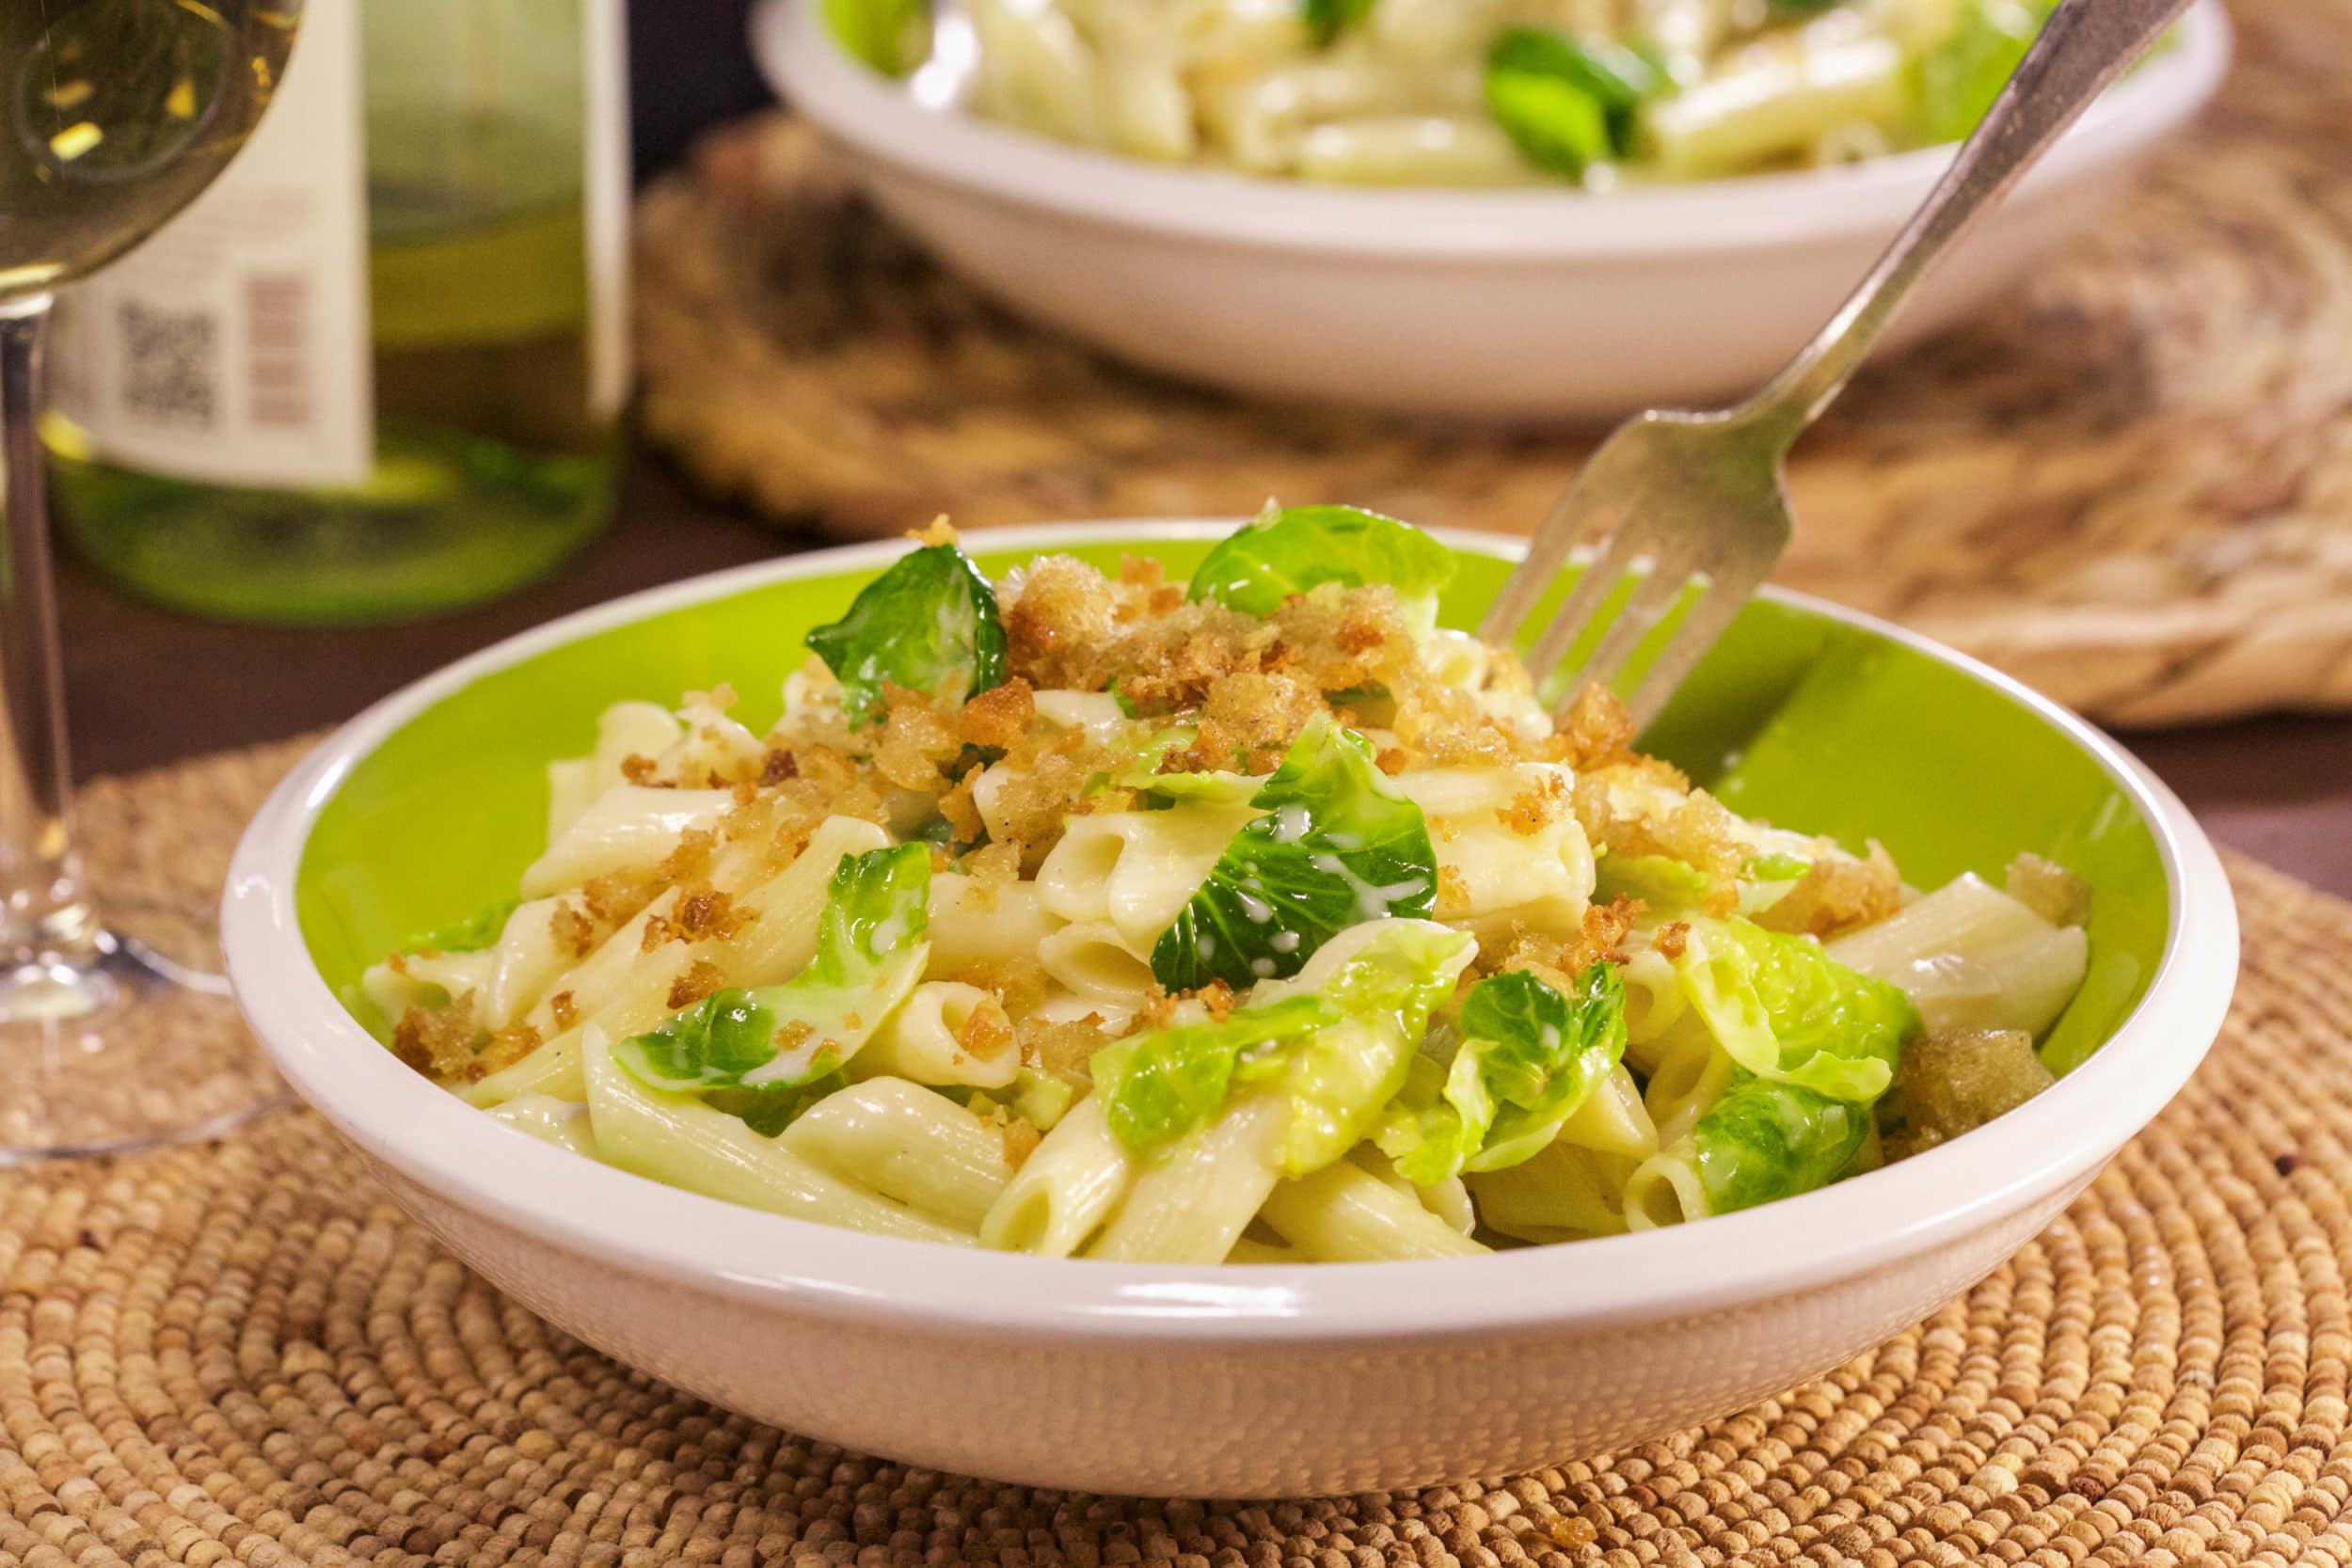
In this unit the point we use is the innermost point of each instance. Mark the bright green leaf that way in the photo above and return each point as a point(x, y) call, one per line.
point(1143, 773)
point(1956, 82)
point(1158, 1086)
point(470, 935)
point(1338, 845)
point(1341, 1080)
point(1285, 552)
point(1785, 1011)
point(1764, 1140)
point(1327, 19)
point(929, 623)
point(1528, 1057)
point(1566, 102)
point(870, 951)
point(1667, 886)
point(1337, 1043)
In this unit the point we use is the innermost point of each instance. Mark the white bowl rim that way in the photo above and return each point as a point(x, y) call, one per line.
point(951, 147)
point(642, 1227)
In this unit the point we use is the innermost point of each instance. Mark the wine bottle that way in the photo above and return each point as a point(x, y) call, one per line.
point(376, 370)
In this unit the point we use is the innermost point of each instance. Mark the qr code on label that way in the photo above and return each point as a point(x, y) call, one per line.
point(171, 365)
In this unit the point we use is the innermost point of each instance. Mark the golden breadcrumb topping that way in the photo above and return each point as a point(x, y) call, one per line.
point(1839, 894)
point(2051, 891)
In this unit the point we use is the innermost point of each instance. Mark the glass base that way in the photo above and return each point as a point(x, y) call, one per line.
point(125, 1043)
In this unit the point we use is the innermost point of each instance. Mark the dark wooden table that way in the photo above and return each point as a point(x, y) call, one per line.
point(146, 686)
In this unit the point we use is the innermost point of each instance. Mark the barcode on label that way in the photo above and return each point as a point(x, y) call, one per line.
point(171, 365)
point(278, 369)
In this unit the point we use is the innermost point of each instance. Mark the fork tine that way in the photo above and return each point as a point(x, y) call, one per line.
point(1656, 593)
point(1619, 554)
point(1548, 551)
point(1718, 605)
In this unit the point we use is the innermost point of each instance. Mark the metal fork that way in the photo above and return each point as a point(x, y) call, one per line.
point(1696, 502)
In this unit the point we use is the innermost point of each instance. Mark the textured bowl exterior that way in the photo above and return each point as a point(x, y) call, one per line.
point(1281, 1419)
point(1522, 306)
point(1255, 1381)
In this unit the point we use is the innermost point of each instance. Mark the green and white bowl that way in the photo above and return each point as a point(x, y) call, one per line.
point(1234, 1382)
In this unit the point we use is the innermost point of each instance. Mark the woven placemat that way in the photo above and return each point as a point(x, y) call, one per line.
point(2131, 485)
point(246, 1352)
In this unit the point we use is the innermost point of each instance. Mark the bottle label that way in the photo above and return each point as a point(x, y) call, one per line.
point(236, 348)
point(233, 348)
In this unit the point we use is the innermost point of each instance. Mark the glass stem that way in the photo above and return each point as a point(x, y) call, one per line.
point(40, 877)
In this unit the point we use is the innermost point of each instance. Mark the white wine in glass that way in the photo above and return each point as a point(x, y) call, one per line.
point(114, 115)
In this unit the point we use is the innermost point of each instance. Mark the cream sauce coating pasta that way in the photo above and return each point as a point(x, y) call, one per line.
point(1228, 924)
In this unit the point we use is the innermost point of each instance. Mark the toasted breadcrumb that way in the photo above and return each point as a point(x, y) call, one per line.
point(961, 816)
point(440, 1041)
point(987, 1032)
point(700, 979)
point(917, 742)
point(1696, 831)
point(1671, 939)
point(636, 768)
point(1218, 998)
point(1839, 894)
point(993, 867)
point(2048, 889)
point(940, 532)
point(1597, 730)
point(1606, 927)
point(1538, 806)
point(1600, 938)
point(610, 901)
point(999, 717)
point(1018, 984)
point(1043, 781)
point(1453, 893)
point(574, 932)
point(1021, 1141)
point(1956, 1082)
point(1057, 624)
point(706, 914)
point(505, 1048)
point(690, 858)
point(563, 1009)
point(1063, 1048)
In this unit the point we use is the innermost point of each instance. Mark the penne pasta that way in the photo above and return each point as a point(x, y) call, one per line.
point(1058, 1201)
point(908, 1144)
point(1430, 92)
point(676, 1139)
point(1192, 1204)
point(1343, 1214)
point(923, 1039)
point(1078, 917)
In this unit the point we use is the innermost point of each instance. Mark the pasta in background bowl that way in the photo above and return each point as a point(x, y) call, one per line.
point(1524, 302)
point(1485, 92)
point(1157, 1377)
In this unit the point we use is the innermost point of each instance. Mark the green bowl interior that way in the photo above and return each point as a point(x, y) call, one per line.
point(1793, 718)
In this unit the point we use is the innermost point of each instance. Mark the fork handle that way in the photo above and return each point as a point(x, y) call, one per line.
point(2085, 45)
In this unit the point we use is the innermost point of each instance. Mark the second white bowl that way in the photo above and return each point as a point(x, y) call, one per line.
point(1525, 305)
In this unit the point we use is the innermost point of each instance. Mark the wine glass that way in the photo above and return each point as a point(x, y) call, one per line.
point(114, 115)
